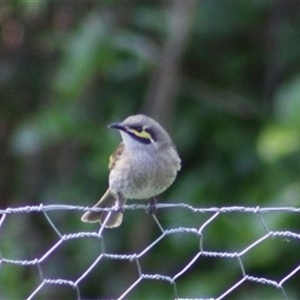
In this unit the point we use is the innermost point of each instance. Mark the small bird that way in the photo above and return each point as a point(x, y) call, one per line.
point(144, 165)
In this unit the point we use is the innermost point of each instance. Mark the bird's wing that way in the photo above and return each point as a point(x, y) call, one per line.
point(116, 156)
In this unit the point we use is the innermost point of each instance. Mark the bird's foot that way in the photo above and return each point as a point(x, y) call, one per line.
point(152, 206)
point(119, 206)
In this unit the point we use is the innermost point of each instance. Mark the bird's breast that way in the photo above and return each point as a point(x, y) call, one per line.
point(143, 175)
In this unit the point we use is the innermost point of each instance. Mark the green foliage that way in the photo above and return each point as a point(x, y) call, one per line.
point(68, 69)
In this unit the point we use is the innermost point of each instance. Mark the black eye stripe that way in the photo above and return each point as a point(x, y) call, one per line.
point(140, 139)
point(151, 132)
point(138, 128)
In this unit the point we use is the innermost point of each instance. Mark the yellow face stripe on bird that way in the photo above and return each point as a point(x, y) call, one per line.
point(142, 134)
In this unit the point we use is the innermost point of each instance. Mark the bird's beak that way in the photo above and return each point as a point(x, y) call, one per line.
point(118, 126)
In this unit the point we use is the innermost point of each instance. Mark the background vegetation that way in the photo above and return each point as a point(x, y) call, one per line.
point(224, 79)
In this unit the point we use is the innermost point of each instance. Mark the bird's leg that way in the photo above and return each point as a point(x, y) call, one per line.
point(119, 203)
point(152, 206)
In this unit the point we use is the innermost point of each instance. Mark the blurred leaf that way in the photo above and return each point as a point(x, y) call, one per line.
point(47, 128)
point(276, 142)
point(86, 52)
point(287, 103)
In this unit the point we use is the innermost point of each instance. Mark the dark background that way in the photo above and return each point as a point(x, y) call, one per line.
point(221, 76)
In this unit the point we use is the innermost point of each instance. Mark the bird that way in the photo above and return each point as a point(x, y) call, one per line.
point(143, 166)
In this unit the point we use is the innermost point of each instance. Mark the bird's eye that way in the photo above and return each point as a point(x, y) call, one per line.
point(139, 129)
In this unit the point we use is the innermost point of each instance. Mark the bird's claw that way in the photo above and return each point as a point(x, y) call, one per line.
point(152, 206)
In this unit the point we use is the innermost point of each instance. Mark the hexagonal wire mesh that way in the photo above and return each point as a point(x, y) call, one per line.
point(237, 258)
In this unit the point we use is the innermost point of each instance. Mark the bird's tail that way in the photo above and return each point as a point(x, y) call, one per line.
point(106, 201)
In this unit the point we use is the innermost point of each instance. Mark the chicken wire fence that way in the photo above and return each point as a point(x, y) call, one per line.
point(237, 259)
